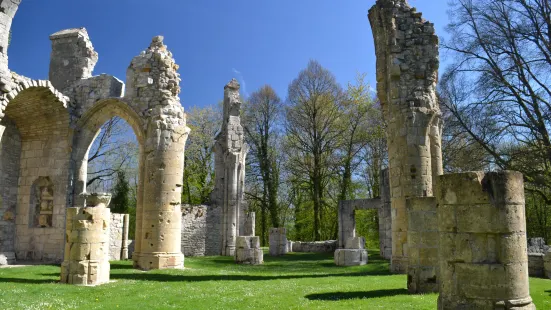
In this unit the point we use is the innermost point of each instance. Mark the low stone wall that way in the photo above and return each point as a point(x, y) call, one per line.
point(201, 233)
point(547, 265)
point(328, 246)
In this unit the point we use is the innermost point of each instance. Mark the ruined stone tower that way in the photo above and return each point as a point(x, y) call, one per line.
point(230, 151)
point(8, 8)
point(407, 71)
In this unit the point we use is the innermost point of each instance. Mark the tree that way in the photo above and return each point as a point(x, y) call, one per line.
point(114, 149)
point(199, 161)
point(313, 115)
point(261, 115)
point(120, 201)
point(497, 88)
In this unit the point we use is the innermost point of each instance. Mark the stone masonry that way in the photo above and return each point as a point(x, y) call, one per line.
point(87, 245)
point(49, 126)
point(482, 246)
point(248, 250)
point(153, 88)
point(407, 71)
point(353, 254)
point(249, 224)
point(230, 151)
point(385, 218)
point(547, 264)
point(278, 241)
point(423, 268)
point(118, 236)
point(201, 230)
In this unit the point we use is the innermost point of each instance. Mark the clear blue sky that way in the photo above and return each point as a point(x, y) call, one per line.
point(258, 42)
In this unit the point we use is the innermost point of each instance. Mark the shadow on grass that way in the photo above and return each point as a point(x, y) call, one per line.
point(334, 296)
point(29, 281)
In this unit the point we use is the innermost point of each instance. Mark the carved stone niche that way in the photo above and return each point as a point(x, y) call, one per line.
point(42, 203)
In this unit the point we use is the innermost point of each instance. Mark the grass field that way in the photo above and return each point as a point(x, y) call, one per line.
point(295, 281)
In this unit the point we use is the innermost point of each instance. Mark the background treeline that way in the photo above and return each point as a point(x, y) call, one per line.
point(321, 142)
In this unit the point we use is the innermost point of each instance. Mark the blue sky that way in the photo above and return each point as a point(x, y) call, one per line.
point(257, 41)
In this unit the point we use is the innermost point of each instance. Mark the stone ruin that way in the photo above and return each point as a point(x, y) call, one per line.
point(48, 126)
point(347, 218)
point(87, 244)
point(278, 241)
point(468, 243)
point(230, 151)
point(353, 253)
point(118, 236)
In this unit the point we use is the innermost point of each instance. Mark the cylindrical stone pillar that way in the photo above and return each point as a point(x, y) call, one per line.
point(161, 217)
point(422, 245)
point(124, 245)
point(482, 246)
point(86, 260)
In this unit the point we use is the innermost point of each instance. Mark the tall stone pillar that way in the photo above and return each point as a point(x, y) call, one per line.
point(385, 218)
point(482, 229)
point(407, 70)
point(230, 151)
point(86, 259)
point(153, 87)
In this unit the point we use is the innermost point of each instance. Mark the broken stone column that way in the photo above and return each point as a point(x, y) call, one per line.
point(249, 226)
point(230, 151)
point(354, 253)
point(278, 241)
point(248, 250)
point(73, 57)
point(7, 12)
point(482, 246)
point(153, 87)
point(86, 255)
point(422, 245)
point(407, 71)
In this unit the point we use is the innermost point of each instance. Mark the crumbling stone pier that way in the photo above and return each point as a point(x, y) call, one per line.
point(482, 225)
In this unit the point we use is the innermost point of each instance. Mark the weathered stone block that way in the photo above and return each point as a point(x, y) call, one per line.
point(350, 257)
point(248, 250)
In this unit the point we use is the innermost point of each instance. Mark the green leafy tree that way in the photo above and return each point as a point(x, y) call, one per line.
point(120, 201)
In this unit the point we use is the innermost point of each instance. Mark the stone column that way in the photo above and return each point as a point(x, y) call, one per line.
point(354, 253)
point(86, 259)
point(422, 245)
point(125, 228)
point(407, 71)
point(249, 228)
point(278, 241)
point(153, 88)
point(482, 225)
point(230, 151)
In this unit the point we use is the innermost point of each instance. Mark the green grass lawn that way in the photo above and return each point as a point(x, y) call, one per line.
point(295, 281)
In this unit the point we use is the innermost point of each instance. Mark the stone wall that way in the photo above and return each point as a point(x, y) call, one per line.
point(10, 151)
point(328, 246)
point(118, 231)
point(201, 234)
